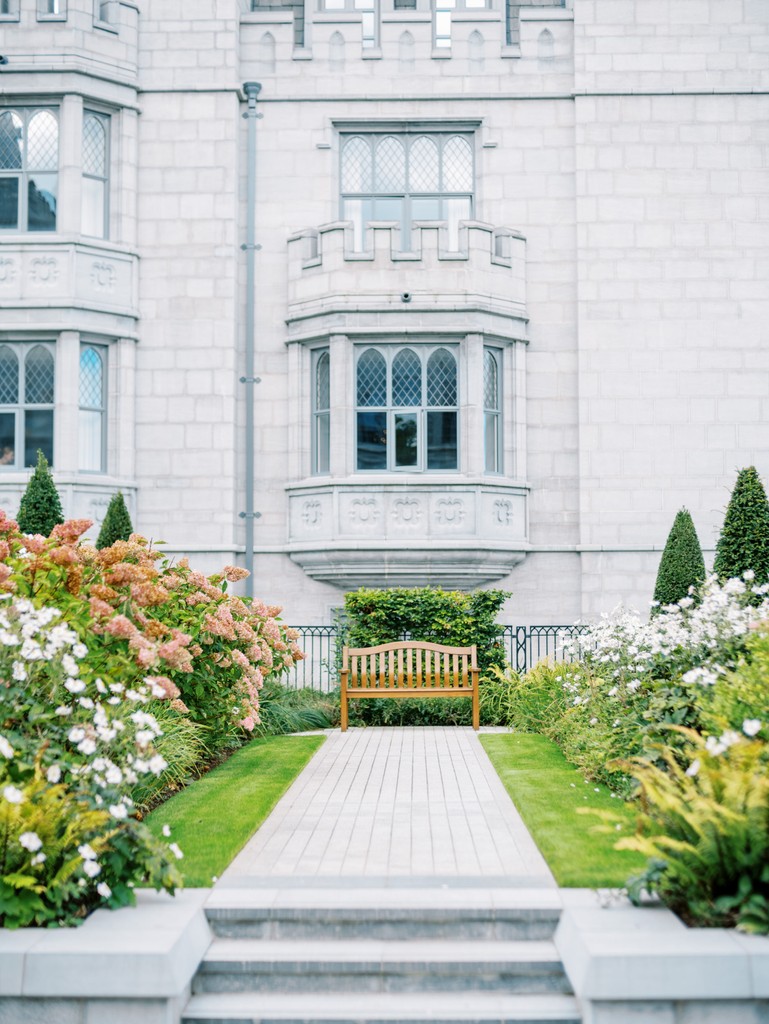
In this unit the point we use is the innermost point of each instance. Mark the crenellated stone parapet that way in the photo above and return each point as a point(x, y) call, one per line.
point(485, 274)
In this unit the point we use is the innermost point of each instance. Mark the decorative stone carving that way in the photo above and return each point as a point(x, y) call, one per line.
point(44, 269)
point(364, 511)
point(103, 276)
point(503, 511)
point(7, 271)
point(406, 511)
point(312, 514)
point(450, 512)
point(98, 506)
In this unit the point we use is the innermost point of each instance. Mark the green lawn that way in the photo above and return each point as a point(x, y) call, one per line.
point(547, 791)
point(212, 819)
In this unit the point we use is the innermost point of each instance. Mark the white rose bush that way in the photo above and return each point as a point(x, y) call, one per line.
point(71, 750)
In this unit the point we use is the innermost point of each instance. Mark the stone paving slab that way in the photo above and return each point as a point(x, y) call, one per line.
point(395, 803)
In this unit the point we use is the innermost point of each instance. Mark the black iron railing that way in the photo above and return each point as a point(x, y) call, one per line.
point(524, 647)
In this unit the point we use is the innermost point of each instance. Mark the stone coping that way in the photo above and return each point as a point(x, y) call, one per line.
point(628, 953)
point(151, 950)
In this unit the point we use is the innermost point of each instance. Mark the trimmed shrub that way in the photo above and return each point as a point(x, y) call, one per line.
point(117, 523)
point(682, 565)
point(744, 542)
point(430, 614)
point(40, 508)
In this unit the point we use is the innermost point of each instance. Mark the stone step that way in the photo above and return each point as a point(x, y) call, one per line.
point(440, 965)
point(366, 1008)
point(399, 913)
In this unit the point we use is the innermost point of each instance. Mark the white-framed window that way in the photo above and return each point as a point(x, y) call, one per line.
point(492, 406)
point(442, 10)
point(406, 408)
point(368, 10)
point(321, 411)
point(92, 426)
point(51, 10)
point(95, 201)
point(29, 165)
point(405, 177)
point(26, 403)
point(9, 10)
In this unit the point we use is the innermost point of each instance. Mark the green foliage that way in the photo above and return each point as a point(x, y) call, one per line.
point(182, 746)
point(417, 712)
point(530, 703)
point(682, 565)
point(40, 508)
point(743, 694)
point(743, 545)
point(705, 829)
point(284, 710)
point(429, 614)
point(550, 794)
point(213, 819)
point(117, 523)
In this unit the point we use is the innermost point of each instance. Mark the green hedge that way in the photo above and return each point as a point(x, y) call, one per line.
point(430, 614)
point(434, 616)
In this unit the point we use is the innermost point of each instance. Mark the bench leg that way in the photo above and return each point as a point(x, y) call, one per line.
point(476, 710)
point(343, 722)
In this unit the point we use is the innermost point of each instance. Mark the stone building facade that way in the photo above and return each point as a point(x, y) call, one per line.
point(509, 307)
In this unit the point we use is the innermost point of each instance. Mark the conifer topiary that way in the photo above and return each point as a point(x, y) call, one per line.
point(744, 540)
point(117, 523)
point(682, 565)
point(40, 508)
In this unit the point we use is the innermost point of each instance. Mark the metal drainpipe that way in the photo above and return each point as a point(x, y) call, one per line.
point(252, 90)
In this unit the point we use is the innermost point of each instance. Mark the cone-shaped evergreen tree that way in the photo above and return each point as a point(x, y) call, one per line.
point(682, 565)
point(744, 540)
point(117, 523)
point(40, 508)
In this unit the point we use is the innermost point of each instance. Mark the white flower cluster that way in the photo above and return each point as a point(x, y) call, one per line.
point(109, 743)
point(698, 640)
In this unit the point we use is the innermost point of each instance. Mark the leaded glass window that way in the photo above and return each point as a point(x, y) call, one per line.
point(26, 404)
point(321, 411)
point(91, 433)
point(406, 408)
point(406, 178)
point(29, 165)
point(491, 412)
point(95, 175)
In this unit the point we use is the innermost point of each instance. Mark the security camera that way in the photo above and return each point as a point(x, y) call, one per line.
point(405, 296)
point(3, 60)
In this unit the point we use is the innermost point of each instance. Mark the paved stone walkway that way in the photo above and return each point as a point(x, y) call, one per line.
point(408, 806)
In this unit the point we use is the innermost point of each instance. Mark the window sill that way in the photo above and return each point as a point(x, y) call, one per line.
point(104, 26)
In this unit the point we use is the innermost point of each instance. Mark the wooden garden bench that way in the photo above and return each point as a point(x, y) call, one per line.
point(409, 668)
